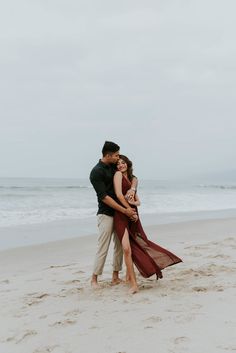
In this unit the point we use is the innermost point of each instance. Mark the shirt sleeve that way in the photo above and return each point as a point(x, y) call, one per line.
point(97, 180)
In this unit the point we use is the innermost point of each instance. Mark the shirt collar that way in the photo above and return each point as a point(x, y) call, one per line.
point(104, 164)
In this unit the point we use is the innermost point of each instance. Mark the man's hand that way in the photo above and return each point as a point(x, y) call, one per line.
point(134, 218)
point(130, 212)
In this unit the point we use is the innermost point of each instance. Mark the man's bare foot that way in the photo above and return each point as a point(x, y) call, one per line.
point(95, 285)
point(116, 281)
point(133, 290)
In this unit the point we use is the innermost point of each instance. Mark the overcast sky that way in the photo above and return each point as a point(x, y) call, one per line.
point(156, 77)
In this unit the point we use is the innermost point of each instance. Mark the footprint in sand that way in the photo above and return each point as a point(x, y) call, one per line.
point(125, 301)
point(32, 294)
point(193, 254)
point(204, 273)
point(219, 256)
point(73, 313)
point(144, 300)
point(182, 319)
point(154, 319)
point(72, 291)
point(18, 315)
point(37, 298)
point(19, 338)
point(43, 317)
point(34, 280)
point(5, 281)
point(230, 240)
point(7, 290)
point(46, 349)
point(62, 293)
point(146, 286)
point(211, 288)
point(63, 323)
point(217, 288)
point(218, 268)
point(228, 348)
point(181, 339)
point(199, 289)
point(197, 247)
point(78, 272)
point(186, 273)
point(61, 266)
point(196, 306)
point(73, 281)
point(214, 243)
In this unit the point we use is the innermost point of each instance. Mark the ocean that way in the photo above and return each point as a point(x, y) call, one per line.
point(26, 201)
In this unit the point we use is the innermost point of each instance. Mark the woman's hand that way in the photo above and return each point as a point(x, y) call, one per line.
point(130, 194)
point(132, 201)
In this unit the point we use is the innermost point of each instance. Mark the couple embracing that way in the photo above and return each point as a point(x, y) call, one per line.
point(118, 201)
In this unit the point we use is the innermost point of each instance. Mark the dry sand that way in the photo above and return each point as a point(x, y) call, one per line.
point(47, 304)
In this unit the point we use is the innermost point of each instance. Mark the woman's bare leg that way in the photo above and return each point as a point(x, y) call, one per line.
point(129, 263)
point(127, 278)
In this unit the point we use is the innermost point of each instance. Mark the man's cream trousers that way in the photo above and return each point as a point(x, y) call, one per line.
point(106, 229)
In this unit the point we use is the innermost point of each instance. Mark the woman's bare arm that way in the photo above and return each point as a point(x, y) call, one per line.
point(118, 189)
point(131, 192)
point(137, 200)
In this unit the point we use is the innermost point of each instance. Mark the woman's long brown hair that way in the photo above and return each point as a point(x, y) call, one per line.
point(129, 166)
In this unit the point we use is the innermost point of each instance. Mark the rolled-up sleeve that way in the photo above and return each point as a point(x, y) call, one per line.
point(97, 180)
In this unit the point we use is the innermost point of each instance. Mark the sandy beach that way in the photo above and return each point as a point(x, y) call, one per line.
point(47, 304)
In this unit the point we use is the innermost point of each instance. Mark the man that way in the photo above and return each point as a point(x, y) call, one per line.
point(101, 178)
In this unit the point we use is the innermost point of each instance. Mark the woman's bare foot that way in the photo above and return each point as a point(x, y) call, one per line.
point(133, 290)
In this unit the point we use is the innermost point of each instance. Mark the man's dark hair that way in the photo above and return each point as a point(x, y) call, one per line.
point(110, 147)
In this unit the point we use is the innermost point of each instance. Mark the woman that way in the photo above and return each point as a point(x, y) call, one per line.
point(148, 257)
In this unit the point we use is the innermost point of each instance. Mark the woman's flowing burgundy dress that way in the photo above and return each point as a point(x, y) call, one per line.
point(148, 257)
